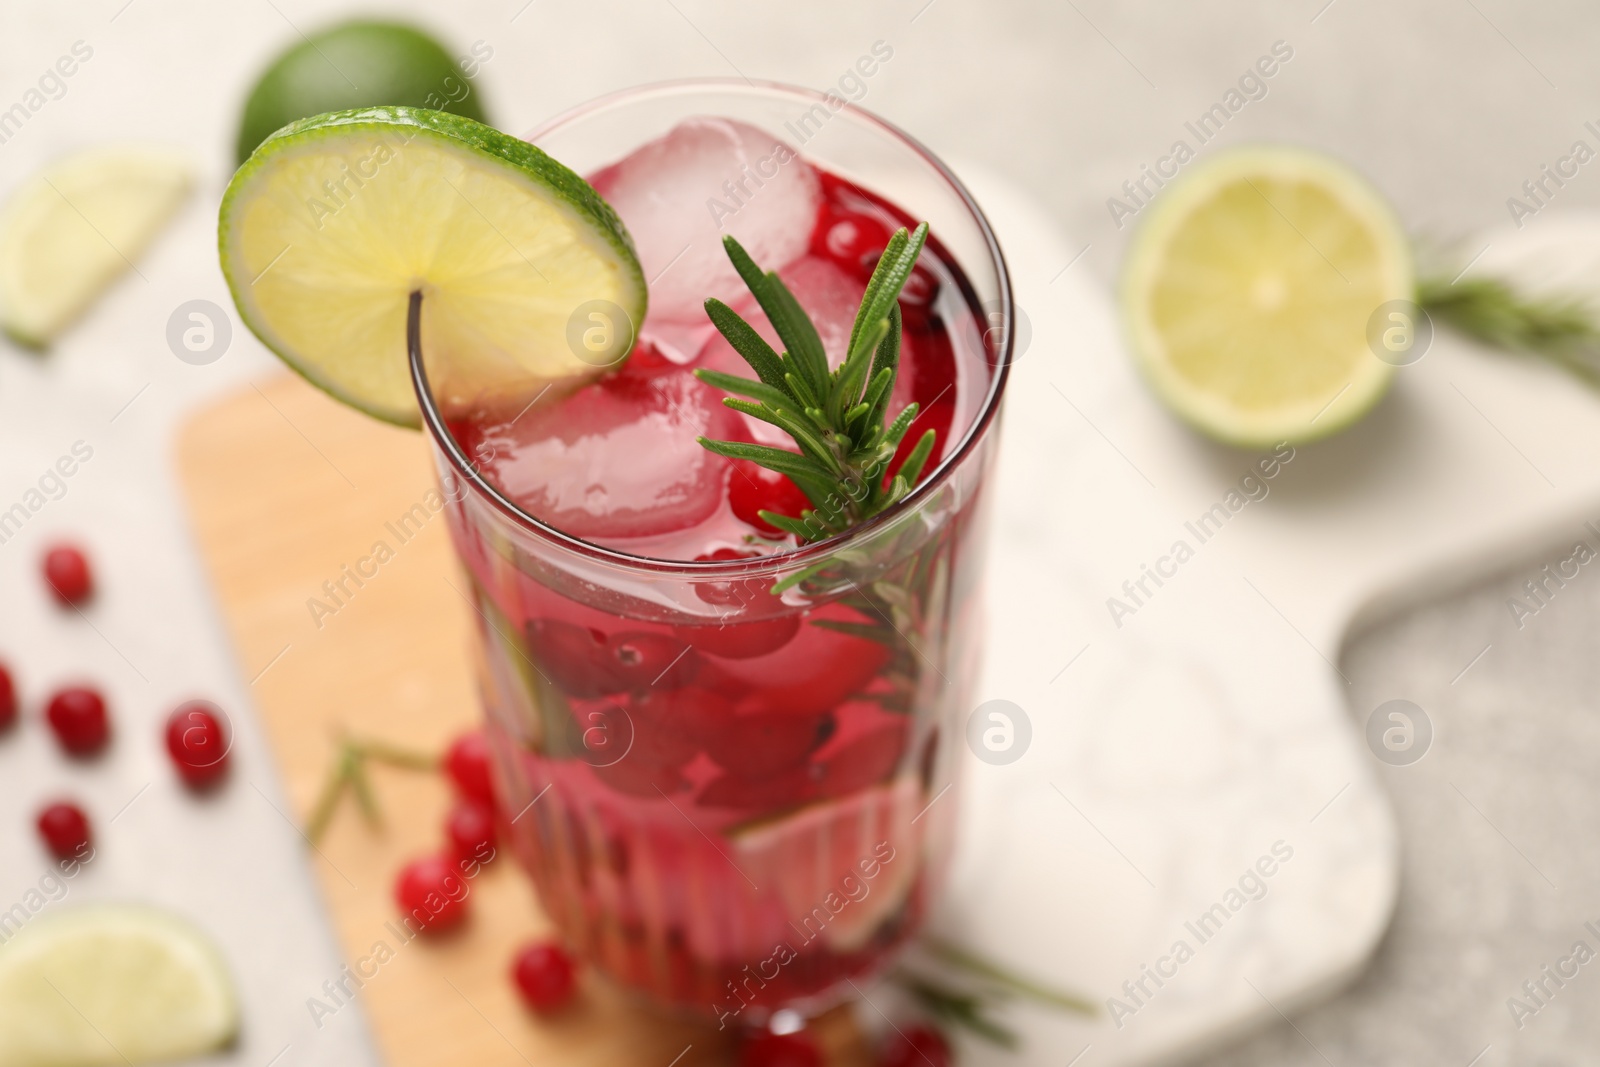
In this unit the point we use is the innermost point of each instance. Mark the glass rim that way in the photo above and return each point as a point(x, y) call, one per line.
point(788, 559)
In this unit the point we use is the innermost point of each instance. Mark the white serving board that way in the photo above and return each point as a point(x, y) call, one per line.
point(1172, 752)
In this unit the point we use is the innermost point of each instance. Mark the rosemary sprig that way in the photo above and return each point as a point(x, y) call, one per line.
point(349, 774)
point(957, 1008)
point(1561, 328)
point(983, 987)
point(837, 419)
point(1020, 984)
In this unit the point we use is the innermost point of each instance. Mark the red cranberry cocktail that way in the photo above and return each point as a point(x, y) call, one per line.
point(720, 749)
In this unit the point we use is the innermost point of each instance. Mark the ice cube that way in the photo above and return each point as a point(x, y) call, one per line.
point(617, 459)
point(708, 177)
point(830, 297)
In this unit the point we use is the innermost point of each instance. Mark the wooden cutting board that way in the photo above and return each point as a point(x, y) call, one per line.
point(287, 489)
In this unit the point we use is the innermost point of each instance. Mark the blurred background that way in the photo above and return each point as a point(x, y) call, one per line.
point(1448, 106)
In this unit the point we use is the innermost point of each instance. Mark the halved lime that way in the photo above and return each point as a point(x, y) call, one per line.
point(1248, 290)
point(70, 230)
point(842, 866)
point(111, 984)
point(336, 219)
point(360, 63)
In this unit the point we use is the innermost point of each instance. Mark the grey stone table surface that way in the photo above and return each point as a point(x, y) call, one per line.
point(1448, 105)
point(1499, 875)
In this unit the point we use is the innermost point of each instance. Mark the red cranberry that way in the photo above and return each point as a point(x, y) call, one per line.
point(758, 795)
point(673, 722)
point(870, 758)
point(65, 828)
point(572, 657)
point(753, 488)
point(604, 728)
point(470, 829)
point(66, 571)
point(432, 894)
point(920, 1046)
point(667, 724)
point(780, 1050)
point(741, 638)
point(545, 976)
point(585, 663)
point(757, 744)
point(640, 778)
point(78, 717)
point(198, 742)
point(643, 660)
point(8, 700)
point(467, 764)
point(820, 670)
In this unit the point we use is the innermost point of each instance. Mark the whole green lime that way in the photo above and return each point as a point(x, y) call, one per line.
point(364, 63)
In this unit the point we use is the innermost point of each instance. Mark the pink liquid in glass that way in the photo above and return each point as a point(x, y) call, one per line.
point(724, 800)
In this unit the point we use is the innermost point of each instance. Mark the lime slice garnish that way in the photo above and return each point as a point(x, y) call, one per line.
point(527, 275)
point(111, 984)
point(1248, 291)
point(854, 858)
point(361, 63)
point(73, 228)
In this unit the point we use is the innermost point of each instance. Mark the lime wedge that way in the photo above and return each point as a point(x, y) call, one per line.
point(842, 867)
point(72, 229)
point(1248, 290)
point(527, 275)
point(111, 984)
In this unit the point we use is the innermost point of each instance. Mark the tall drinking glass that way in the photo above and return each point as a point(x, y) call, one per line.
point(726, 776)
